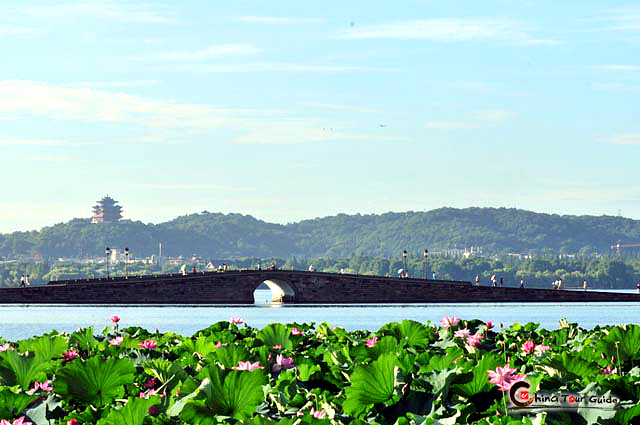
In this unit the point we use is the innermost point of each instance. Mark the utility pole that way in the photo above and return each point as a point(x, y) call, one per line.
point(426, 263)
point(107, 253)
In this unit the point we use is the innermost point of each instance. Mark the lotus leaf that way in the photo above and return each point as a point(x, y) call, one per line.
point(96, 381)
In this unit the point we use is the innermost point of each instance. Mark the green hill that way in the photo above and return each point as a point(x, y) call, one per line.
point(494, 230)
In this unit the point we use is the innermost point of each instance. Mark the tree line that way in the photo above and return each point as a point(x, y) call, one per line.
point(603, 272)
point(496, 231)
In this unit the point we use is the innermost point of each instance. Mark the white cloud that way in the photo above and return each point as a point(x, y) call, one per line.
point(279, 20)
point(624, 139)
point(618, 67)
point(7, 29)
point(264, 67)
point(622, 19)
point(85, 104)
point(160, 119)
point(210, 52)
point(305, 131)
point(450, 30)
point(103, 9)
point(113, 84)
point(483, 118)
point(31, 142)
point(184, 186)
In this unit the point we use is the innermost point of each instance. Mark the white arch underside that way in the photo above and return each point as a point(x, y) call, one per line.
point(279, 290)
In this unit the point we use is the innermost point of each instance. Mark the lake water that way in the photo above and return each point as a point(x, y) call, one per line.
point(23, 321)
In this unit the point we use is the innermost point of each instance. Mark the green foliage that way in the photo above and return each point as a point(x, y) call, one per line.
point(96, 381)
point(406, 375)
point(376, 383)
point(233, 393)
point(276, 334)
point(21, 369)
point(134, 412)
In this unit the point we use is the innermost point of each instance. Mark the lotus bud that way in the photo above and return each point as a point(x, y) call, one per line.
point(613, 359)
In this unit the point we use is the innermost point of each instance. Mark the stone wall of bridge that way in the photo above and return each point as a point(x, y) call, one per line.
point(237, 287)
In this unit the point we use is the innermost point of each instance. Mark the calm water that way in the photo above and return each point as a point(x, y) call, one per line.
point(23, 321)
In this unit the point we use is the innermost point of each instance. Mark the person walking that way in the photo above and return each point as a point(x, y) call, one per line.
point(22, 281)
point(522, 283)
point(584, 284)
point(477, 280)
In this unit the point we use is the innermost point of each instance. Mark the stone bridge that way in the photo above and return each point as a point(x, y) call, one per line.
point(237, 287)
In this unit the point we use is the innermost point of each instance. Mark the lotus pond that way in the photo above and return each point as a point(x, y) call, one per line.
point(406, 373)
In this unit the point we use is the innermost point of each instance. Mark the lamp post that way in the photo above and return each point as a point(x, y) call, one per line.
point(107, 253)
point(426, 263)
point(126, 263)
point(404, 262)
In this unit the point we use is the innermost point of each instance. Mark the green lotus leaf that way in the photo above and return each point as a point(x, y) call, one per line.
point(624, 416)
point(478, 382)
point(375, 383)
point(622, 341)
point(96, 381)
point(84, 339)
point(201, 345)
point(168, 373)
point(45, 348)
point(12, 403)
point(21, 369)
point(228, 356)
point(276, 334)
point(233, 393)
point(410, 332)
point(133, 412)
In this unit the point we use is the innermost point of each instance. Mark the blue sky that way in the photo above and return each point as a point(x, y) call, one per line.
point(287, 110)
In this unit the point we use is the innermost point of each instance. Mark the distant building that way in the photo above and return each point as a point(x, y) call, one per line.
point(106, 211)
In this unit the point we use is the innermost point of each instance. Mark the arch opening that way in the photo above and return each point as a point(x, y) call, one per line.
point(281, 292)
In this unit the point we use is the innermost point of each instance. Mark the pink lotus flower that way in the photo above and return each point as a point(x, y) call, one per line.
point(462, 333)
point(149, 393)
point(5, 347)
point(277, 347)
point(44, 386)
point(528, 347)
point(282, 362)
point(73, 421)
point(540, 349)
point(67, 356)
point(248, 366)
point(474, 340)
point(149, 344)
point(504, 377)
point(115, 319)
point(489, 325)
point(448, 321)
point(372, 342)
point(19, 421)
point(296, 331)
point(318, 414)
point(605, 371)
point(116, 341)
point(236, 320)
point(218, 344)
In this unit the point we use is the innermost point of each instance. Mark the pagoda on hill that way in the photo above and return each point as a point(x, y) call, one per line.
point(106, 211)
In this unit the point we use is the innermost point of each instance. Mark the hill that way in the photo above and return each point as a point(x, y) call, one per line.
point(215, 235)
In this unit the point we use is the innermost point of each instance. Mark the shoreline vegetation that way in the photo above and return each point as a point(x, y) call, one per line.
point(406, 373)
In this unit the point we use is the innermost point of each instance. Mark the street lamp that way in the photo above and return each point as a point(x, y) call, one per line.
point(426, 263)
point(107, 253)
point(404, 262)
point(126, 263)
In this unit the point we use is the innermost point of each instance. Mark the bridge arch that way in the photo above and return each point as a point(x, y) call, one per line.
point(281, 291)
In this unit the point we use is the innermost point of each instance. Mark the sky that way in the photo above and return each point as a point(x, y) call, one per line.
point(294, 110)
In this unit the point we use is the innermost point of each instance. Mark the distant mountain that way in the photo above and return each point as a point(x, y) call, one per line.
point(215, 235)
